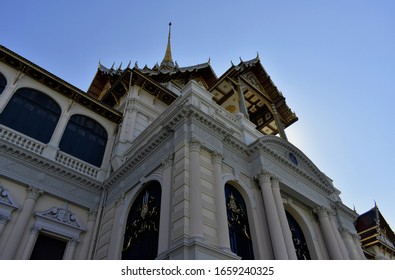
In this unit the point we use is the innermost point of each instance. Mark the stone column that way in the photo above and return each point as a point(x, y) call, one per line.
point(340, 242)
point(27, 251)
point(329, 236)
point(220, 204)
point(165, 205)
point(195, 191)
point(88, 235)
point(52, 147)
point(275, 230)
point(283, 219)
point(349, 242)
point(21, 222)
point(115, 246)
point(69, 254)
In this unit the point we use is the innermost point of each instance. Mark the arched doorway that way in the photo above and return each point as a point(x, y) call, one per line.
point(300, 244)
point(142, 228)
point(239, 230)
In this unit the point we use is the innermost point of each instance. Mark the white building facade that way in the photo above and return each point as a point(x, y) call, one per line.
point(166, 162)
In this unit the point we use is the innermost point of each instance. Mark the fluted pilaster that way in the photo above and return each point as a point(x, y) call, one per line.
point(283, 219)
point(327, 231)
point(19, 227)
point(275, 230)
point(195, 191)
point(220, 203)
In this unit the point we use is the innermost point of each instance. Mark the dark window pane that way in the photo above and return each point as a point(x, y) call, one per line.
point(48, 248)
point(3, 83)
point(84, 138)
point(33, 113)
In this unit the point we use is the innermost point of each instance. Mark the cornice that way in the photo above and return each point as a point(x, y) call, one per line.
point(260, 146)
point(346, 211)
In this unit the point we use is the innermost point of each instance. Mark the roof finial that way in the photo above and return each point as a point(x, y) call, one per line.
point(168, 60)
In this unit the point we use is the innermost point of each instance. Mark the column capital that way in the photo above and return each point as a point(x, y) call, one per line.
point(92, 215)
point(321, 211)
point(264, 176)
point(33, 192)
point(167, 161)
point(275, 182)
point(120, 200)
point(217, 157)
point(195, 145)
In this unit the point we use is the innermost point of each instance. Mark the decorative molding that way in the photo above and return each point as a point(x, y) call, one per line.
point(61, 215)
point(167, 162)
point(217, 157)
point(92, 215)
point(59, 220)
point(6, 199)
point(321, 211)
point(195, 145)
point(120, 200)
point(320, 181)
point(33, 193)
point(264, 176)
point(344, 210)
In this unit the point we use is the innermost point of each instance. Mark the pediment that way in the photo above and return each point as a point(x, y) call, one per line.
point(296, 160)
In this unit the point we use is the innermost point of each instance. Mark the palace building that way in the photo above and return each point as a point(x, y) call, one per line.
point(167, 162)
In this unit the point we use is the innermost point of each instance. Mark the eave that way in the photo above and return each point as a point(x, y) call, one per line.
point(134, 76)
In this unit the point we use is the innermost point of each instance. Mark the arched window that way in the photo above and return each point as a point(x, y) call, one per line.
point(3, 83)
point(33, 113)
point(302, 251)
point(239, 231)
point(84, 138)
point(142, 228)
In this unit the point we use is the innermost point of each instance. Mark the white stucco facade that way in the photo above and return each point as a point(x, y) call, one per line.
point(192, 147)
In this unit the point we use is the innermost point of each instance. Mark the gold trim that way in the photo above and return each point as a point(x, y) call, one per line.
point(362, 232)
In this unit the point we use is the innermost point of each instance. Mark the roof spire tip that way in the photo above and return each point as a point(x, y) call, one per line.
point(168, 60)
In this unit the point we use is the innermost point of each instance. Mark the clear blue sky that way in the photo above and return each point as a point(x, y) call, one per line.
point(334, 61)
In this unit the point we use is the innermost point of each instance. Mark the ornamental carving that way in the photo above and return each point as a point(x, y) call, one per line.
point(62, 215)
point(6, 199)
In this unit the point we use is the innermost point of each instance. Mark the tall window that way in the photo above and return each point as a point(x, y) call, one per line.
point(3, 83)
point(142, 228)
point(48, 248)
point(33, 113)
point(302, 251)
point(239, 231)
point(84, 138)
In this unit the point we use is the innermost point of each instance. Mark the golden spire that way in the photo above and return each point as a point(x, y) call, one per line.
point(168, 60)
